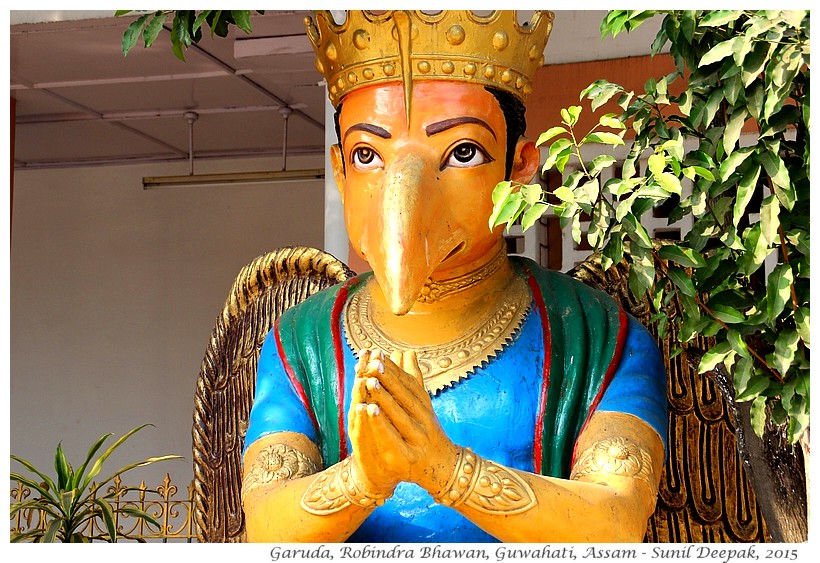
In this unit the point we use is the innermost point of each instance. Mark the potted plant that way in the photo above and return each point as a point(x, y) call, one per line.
point(73, 502)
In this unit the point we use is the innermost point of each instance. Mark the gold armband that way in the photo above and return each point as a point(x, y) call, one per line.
point(615, 456)
point(277, 462)
point(337, 488)
point(486, 486)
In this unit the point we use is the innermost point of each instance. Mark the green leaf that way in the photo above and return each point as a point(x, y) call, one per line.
point(108, 518)
point(611, 121)
point(570, 115)
point(242, 19)
point(132, 33)
point(785, 348)
point(153, 28)
point(758, 415)
point(769, 220)
point(718, 18)
point(603, 138)
point(712, 106)
point(95, 469)
point(53, 527)
point(636, 231)
point(778, 290)
point(669, 182)
point(564, 194)
point(532, 193)
point(720, 51)
point(199, 20)
point(550, 134)
point(507, 210)
point(733, 129)
point(61, 468)
point(728, 315)
point(50, 485)
point(745, 191)
point(684, 256)
point(728, 166)
point(714, 356)
point(801, 319)
point(779, 174)
point(681, 280)
point(502, 191)
point(532, 215)
point(613, 252)
point(600, 163)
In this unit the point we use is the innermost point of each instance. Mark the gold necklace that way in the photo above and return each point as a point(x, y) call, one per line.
point(443, 365)
point(434, 290)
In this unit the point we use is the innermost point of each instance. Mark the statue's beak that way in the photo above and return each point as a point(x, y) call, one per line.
point(409, 234)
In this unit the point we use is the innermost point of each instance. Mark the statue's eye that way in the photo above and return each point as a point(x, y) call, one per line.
point(365, 158)
point(466, 155)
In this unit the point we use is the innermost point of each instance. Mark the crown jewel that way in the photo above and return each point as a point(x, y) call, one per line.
point(454, 45)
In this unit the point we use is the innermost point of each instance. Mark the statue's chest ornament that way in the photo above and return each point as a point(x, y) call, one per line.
point(443, 365)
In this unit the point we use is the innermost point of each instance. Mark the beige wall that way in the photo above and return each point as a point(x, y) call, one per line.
point(114, 290)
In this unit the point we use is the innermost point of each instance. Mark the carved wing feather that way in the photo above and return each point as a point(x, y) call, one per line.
point(705, 494)
point(225, 387)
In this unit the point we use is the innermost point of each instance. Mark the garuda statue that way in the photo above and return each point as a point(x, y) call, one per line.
point(454, 394)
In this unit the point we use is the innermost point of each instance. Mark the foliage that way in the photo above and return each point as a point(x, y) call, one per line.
point(72, 500)
point(186, 27)
point(738, 68)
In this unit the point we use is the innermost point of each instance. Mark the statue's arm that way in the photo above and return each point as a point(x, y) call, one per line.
point(285, 497)
point(609, 496)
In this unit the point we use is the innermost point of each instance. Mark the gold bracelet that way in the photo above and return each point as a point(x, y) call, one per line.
point(486, 486)
point(337, 488)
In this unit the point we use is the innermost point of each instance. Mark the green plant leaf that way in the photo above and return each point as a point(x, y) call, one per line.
point(720, 51)
point(769, 220)
point(745, 191)
point(785, 348)
point(778, 290)
point(132, 33)
point(50, 486)
point(611, 121)
point(601, 162)
point(61, 467)
point(733, 129)
point(153, 28)
point(681, 280)
point(682, 255)
point(532, 215)
point(714, 356)
point(758, 415)
point(801, 319)
point(779, 174)
point(718, 18)
point(549, 134)
point(108, 517)
point(98, 463)
point(604, 138)
point(242, 19)
point(50, 535)
point(142, 515)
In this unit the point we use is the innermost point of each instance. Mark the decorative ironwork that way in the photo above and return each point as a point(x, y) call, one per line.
point(174, 514)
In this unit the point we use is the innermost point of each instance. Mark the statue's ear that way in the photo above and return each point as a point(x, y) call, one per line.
point(526, 161)
point(337, 161)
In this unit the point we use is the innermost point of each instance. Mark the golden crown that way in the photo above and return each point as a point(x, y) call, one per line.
point(454, 45)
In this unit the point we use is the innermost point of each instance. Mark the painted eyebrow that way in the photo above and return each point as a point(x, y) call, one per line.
point(440, 126)
point(368, 128)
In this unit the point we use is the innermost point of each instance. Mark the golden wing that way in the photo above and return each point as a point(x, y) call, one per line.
point(227, 379)
point(705, 495)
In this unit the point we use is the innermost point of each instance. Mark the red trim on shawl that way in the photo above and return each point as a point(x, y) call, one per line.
point(538, 447)
point(338, 349)
point(623, 329)
point(297, 385)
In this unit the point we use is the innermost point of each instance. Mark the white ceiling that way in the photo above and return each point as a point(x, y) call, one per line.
point(79, 102)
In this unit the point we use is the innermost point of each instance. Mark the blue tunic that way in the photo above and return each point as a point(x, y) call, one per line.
point(493, 411)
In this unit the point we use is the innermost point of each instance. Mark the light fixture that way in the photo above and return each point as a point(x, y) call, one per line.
point(150, 182)
point(229, 178)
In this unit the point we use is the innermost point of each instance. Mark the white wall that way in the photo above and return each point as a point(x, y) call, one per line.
point(114, 291)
